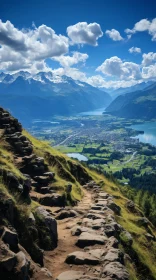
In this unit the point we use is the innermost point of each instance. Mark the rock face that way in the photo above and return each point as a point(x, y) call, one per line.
point(50, 225)
point(36, 174)
point(13, 266)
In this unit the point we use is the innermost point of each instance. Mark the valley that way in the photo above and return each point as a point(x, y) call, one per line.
point(105, 143)
point(77, 140)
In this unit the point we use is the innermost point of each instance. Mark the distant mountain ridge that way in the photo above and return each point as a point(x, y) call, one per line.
point(138, 104)
point(119, 91)
point(44, 95)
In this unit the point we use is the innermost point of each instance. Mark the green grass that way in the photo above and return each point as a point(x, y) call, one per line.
point(67, 149)
point(59, 164)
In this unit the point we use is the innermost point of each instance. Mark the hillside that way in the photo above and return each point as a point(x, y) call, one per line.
point(68, 219)
point(139, 104)
point(43, 96)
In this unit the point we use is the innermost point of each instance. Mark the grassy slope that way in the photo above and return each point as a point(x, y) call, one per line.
point(60, 165)
point(145, 250)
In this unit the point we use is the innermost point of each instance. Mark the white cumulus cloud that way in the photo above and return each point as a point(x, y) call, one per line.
point(100, 82)
point(148, 58)
point(68, 61)
point(115, 67)
point(134, 50)
point(84, 33)
point(21, 49)
point(144, 25)
point(114, 35)
point(149, 73)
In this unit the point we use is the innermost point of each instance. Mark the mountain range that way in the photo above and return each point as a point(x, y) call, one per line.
point(137, 104)
point(115, 93)
point(44, 95)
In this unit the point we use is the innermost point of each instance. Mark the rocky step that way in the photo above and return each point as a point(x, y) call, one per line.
point(75, 275)
point(88, 239)
point(95, 256)
point(54, 199)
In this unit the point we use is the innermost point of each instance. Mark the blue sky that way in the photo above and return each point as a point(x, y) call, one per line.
point(110, 57)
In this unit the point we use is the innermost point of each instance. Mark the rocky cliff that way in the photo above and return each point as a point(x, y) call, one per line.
point(60, 220)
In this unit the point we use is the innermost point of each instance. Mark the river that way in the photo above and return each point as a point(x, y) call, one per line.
point(149, 135)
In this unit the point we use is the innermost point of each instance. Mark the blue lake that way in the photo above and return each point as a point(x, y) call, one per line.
point(149, 135)
point(77, 156)
point(97, 112)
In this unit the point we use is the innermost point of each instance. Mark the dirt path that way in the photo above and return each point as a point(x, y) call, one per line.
point(54, 260)
point(96, 233)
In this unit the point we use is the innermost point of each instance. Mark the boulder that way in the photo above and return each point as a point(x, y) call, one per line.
point(104, 195)
point(114, 255)
point(23, 138)
point(53, 200)
point(77, 230)
point(51, 175)
point(101, 202)
point(88, 239)
point(31, 218)
point(22, 267)
point(96, 207)
point(49, 223)
point(126, 238)
point(37, 254)
point(10, 238)
point(109, 230)
point(94, 224)
point(113, 206)
point(7, 208)
point(112, 229)
point(11, 180)
point(130, 206)
point(69, 188)
point(91, 184)
point(150, 237)
point(7, 258)
point(143, 222)
point(80, 258)
point(43, 180)
point(94, 215)
point(45, 272)
point(45, 190)
point(112, 242)
point(115, 270)
point(66, 214)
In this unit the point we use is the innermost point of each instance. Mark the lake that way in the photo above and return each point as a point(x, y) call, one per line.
point(149, 135)
point(77, 156)
point(97, 112)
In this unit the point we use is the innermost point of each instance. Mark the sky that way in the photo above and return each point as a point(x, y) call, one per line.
point(106, 43)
